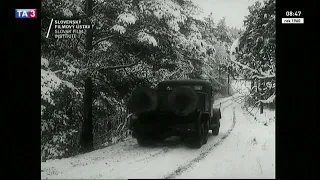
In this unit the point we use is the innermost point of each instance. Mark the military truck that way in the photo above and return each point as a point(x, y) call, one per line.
point(174, 108)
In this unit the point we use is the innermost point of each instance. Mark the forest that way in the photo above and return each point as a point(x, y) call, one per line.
point(86, 81)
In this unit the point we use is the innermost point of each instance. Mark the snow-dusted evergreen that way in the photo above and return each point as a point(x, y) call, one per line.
point(253, 54)
point(139, 43)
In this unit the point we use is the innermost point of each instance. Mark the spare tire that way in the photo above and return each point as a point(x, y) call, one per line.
point(143, 100)
point(183, 101)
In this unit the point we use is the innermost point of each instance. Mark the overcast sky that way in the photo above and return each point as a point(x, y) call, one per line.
point(234, 10)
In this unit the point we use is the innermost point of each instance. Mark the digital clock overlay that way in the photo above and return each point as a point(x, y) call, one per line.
point(293, 17)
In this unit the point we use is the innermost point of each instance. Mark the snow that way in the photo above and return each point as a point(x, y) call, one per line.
point(248, 152)
point(49, 83)
point(127, 18)
point(270, 99)
point(66, 12)
point(233, 48)
point(119, 29)
point(244, 148)
point(144, 37)
point(44, 62)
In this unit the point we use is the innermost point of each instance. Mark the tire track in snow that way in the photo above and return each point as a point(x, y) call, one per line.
point(126, 149)
point(162, 151)
point(203, 154)
point(132, 148)
point(227, 106)
point(167, 149)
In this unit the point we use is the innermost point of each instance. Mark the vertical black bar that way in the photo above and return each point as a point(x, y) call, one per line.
point(21, 57)
point(295, 89)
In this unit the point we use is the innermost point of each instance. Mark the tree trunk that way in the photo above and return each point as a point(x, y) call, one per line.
point(219, 69)
point(86, 138)
point(261, 97)
point(228, 81)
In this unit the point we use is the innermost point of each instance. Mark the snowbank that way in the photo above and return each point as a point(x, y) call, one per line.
point(244, 148)
point(248, 152)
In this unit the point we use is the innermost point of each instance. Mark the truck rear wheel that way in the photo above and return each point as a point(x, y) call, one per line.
point(205, 133)
point(158, 139)
point(198, 141)
point(215, 130)
point(143, 141)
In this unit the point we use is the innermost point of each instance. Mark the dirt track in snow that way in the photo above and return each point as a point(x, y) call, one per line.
point(128, 160)
point(204, 153)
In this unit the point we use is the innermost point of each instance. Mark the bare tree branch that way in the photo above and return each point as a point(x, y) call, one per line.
point(269, 99)
point(59, 71)
point(101, 32)
point(119, 67)
point(98, 4)
point(100, 40)
point(273, 76)
point(263, 75)
point(244, 66)
point(214, 77)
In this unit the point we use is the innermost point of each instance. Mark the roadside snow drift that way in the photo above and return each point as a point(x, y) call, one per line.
point(244, 148)
point(248, 152)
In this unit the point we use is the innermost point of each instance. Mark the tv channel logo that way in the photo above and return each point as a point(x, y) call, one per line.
point(26, 13)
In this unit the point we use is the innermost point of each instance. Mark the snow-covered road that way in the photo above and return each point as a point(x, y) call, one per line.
point(243, 149)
